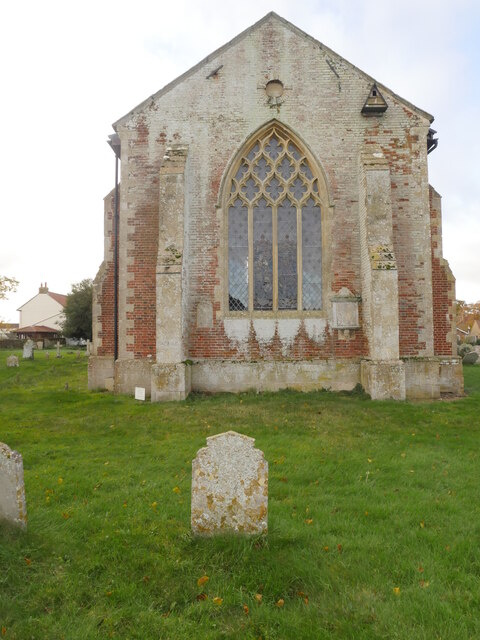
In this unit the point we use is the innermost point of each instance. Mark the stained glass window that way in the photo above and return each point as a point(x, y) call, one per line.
point(274, 228)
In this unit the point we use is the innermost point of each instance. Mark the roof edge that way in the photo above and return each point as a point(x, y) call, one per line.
point(239, 37)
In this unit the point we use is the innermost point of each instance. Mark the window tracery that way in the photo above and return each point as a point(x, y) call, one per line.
point(274, 228)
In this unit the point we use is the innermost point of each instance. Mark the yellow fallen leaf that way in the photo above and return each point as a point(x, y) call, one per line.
point(154, 505)
point(279, 603)
point(396, 591)
point(308, 521)
point(218, 600)
point(325, 548)
point(60, 481)
point(245, 609)
point(176, 489)
point(28, 561)
point(65, 515)
point(424, 584)
point(4, 631)
point(258, 597)
point(422, 524)
point(202, 580)
point(201, 596)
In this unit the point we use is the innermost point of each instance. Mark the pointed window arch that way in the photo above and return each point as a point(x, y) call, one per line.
point(274, 226)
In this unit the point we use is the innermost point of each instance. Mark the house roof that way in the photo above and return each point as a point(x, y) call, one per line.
point(37, 329)
point(270, 16)
point(58, 297)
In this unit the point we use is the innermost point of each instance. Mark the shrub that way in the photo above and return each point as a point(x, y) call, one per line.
point(463, 349)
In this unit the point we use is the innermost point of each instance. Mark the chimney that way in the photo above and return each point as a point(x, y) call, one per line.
point(43, 288)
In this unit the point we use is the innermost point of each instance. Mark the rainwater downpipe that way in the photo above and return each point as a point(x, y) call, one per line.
point(114, 142)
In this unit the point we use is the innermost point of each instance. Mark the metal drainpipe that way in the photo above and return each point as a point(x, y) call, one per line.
point(115, 267)
point(114, 142)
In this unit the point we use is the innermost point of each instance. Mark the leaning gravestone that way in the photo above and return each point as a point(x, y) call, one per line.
point(229, 486)
point(12, 361)
point(13, 508)
point(59, 355)
point(28, 350)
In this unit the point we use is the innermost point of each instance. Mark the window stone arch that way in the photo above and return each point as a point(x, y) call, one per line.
point(274, 226)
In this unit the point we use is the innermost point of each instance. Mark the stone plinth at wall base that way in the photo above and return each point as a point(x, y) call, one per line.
point(427, 378)
point(100, 372)
point(215, 376)
point(451, 376)
point(383, 380)
point(170, 382)
point(422, 379)
point(130, 373)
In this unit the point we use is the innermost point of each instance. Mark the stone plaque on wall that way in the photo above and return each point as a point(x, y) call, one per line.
point(229, 486)
point(345, 310)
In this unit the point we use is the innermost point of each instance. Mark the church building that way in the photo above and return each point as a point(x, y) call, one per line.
point(273, 227)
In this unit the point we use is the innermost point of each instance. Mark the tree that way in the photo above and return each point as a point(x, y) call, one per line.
point(7, 285)
point(78, 311)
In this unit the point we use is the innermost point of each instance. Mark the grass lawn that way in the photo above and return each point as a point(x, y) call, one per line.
point(374, 516)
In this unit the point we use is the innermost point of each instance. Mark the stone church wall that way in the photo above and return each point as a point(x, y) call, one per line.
point(210, 116)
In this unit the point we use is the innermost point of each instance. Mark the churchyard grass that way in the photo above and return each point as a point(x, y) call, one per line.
point(374, 518)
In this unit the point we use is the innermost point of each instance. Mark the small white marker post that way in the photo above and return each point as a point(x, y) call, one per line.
point(139, 393)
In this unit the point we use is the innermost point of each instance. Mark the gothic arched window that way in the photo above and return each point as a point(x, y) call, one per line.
point(274, 228)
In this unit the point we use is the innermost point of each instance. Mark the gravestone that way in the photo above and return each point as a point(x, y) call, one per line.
point(47, 355)
point(12, 361)
point(28, 350)
point(229, 486)
point(470, 358)
point(59, 355)
point(40, 345)
point(13, 507)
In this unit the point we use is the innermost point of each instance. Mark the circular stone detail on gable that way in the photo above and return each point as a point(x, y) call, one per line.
point(274, 88)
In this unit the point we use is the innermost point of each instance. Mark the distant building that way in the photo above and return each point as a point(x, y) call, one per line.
point(42, 316)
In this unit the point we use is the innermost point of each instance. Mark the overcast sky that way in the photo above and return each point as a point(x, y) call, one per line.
point(71, 69)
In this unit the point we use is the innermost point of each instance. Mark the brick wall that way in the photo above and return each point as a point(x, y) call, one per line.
point(443, 284)
point(215, 117)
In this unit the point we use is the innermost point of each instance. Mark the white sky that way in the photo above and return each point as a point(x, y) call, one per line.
point(71, 69)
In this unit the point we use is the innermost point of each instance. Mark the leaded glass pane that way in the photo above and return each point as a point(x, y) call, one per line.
point(242, 170)
point(305, 169)
point(262, 256)
point(238, 257)
point(311, 256)
point(262, 169)
point(285, 168)
point(274, 188)
point(298, 188)
point(287, 255)
point(250, 189)
point(273, 148)
point(294, 151)
point(253, 152)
